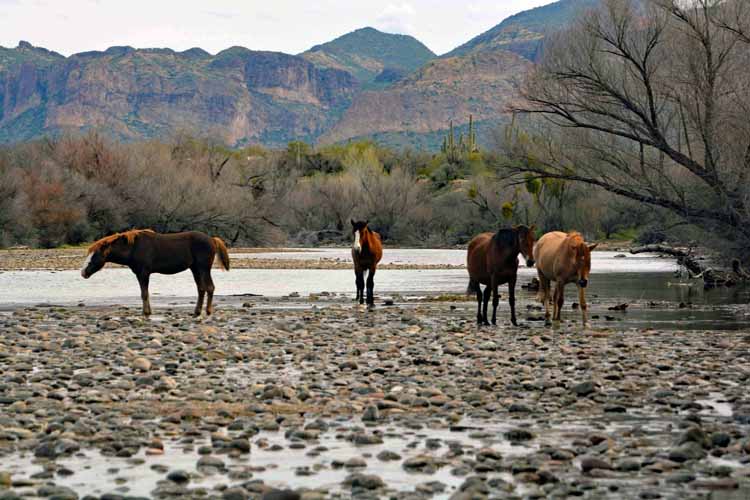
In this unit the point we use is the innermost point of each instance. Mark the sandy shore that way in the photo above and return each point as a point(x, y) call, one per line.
point(72, 258)
point(337, 401)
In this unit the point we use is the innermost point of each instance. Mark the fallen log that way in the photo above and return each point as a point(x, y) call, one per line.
point(696, 268)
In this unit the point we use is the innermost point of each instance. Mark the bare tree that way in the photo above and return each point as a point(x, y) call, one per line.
point(651, 105)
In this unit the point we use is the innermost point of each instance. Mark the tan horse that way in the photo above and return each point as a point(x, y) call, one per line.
point(563, 258)
point(367, 250)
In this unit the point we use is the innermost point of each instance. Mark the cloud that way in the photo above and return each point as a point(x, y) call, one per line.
point(397, 18)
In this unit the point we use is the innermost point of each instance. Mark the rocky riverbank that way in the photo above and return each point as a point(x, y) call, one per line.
point(335, 401)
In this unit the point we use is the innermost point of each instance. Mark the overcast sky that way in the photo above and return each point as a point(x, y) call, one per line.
point(292, 26)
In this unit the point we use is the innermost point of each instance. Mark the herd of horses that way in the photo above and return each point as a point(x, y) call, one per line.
point(492, 260)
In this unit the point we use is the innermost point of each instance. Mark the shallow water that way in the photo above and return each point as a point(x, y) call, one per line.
point(97, 474)
point(647, 282)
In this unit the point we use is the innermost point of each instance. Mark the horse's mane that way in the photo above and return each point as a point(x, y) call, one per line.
point(108, 240)
point(575, 237)
point(505, 237)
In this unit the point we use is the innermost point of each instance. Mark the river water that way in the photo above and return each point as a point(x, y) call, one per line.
point(657, 296)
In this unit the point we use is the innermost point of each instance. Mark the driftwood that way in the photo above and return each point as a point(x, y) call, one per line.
point(696, 267)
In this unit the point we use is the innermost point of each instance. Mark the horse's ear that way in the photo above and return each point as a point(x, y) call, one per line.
point(367, 222)
point(352, 221)
point(591, 247)
point(532, 228)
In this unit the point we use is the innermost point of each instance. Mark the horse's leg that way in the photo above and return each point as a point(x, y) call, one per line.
point(356, 284)
point(584, 306)
point(541, 295)
point(559, 300)
point(361, 286)
point(143, 282)
point(197, 276)
point(495, 298)
point(512, 299)
point(544, 294)
point(209, 287)
point(487, 293)
point(371, 287)
point(479, 304)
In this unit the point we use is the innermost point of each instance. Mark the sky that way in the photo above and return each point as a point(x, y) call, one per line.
point(291, 26)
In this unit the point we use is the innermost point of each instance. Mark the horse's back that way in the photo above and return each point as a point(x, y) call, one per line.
point(547, 251)
point(170, 253)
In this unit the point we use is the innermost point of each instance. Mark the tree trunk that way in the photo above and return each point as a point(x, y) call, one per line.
point(697, 269)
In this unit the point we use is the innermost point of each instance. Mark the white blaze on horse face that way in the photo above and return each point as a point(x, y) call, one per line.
point(357, 246)
point(86, 264)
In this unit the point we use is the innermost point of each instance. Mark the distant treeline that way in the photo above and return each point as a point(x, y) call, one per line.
point(71, 190)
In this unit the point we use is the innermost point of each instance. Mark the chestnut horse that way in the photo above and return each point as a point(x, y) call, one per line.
point(492, 260)
point(367, 250)
point(563, 258)
point(146, 252)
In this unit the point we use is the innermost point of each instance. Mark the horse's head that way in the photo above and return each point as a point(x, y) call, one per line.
point(358, 229)
point(95, 260)
point(583, 262)
point(114, 248)
point(526, 242)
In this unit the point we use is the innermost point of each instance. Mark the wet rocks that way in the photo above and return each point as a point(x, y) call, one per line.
point(596, 413)
point(589, 464)
point(425, 464)
point(56, 448)
point(584, 389)
point(141, 364)
point(687, 451)
point(371, 414)
point(517, 435)
point(364, 481)
point(179, 476)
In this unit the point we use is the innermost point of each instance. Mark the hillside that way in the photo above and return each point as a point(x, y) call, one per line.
point(239, 95)
point(524, 32)
point(445, 89)
point(479, 78)
point(363, 84)
point(373, 57)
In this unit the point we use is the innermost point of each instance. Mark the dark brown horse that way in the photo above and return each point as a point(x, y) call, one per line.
point(146, 252)
point(492, 260)
point(367, 250)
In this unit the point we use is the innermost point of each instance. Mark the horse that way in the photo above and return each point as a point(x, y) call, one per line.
point(563, 258)
point(145, 252)
point(367, 250)
point(492, 260)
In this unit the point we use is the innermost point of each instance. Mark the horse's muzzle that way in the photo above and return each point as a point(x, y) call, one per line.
point(583, 283)
point(84, 275)
point(529, 262)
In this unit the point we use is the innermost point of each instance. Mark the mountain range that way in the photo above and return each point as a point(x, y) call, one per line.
point(365, 84)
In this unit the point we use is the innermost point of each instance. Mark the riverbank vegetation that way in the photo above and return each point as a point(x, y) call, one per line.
point(74, 189)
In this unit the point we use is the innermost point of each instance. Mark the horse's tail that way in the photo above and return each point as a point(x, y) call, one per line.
point(221, 249)
point(473, 287)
